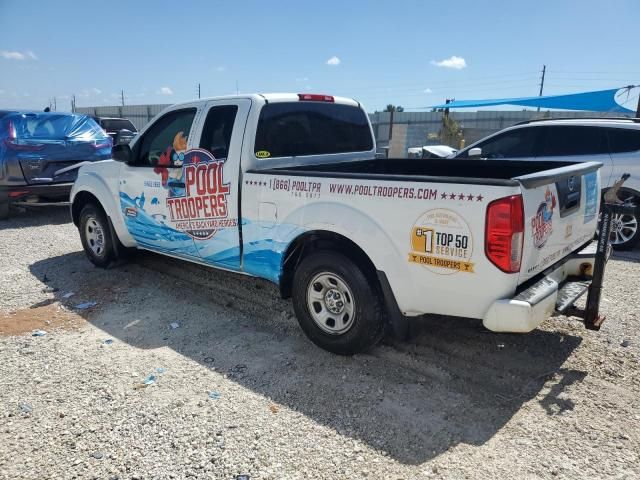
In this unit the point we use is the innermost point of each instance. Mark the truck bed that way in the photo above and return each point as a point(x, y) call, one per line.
point(465, 171)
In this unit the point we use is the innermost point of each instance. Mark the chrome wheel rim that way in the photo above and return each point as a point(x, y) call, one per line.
point(330, 303)
point(623, 226)
point(94, 235)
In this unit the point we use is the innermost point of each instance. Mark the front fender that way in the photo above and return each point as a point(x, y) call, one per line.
point(96, 185)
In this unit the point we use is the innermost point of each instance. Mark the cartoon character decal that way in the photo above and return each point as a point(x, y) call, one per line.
point(542, 222)
point(195, 195)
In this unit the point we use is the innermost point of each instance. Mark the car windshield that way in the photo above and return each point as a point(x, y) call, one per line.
point(117, 124)
point(55, 126)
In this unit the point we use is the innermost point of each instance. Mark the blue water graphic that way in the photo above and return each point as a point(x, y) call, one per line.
point(264, 247)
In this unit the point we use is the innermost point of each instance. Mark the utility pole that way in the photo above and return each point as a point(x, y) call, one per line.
point(198, 90)
point(55, 105)
point(122, 96)
point(544, 70)
point(73, 103)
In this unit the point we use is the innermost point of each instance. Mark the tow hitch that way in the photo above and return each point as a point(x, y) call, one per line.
point(611, 206)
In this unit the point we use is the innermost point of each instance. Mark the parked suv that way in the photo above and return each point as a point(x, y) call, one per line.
point(113, 126)
point(39, 153)
point(613, 141)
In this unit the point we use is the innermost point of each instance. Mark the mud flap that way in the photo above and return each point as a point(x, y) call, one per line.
point(397, 325)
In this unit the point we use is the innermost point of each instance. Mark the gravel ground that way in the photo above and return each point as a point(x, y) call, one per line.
point(239, 390)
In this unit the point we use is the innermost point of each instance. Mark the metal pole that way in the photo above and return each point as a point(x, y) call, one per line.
point(122, 96)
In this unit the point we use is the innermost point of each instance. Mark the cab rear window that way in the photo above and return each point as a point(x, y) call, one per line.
point(309, 128)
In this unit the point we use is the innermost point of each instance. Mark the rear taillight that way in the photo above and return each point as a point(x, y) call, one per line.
point(98, 144)
point(22, 145)
point(504, 233)
point(314, 97)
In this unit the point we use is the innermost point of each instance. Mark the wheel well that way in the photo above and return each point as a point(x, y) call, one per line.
point(80, 200)
point(309, 242)
point(624, 189)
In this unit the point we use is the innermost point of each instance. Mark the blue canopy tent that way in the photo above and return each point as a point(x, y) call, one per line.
point(598, 101)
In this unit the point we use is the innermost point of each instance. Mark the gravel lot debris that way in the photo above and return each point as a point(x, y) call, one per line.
point(453, 402)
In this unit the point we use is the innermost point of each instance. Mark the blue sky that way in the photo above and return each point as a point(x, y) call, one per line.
point(411, 53)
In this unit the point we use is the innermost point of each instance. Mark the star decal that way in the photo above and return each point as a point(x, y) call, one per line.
point(479, 198)
point(443, 196)
point(469, 198)
point(452, 196)
point(461, 196)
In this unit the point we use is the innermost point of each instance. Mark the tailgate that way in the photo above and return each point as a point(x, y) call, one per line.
point(561, 214)
point(40, 166)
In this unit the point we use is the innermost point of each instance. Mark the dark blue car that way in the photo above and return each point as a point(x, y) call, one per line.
point(35, 147)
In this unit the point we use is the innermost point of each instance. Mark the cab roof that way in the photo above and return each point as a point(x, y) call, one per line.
point(276, 98)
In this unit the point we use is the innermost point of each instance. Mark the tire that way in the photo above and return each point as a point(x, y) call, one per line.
point(337, 306)
point(4, 211)
point(625, 230)
point(95, 234)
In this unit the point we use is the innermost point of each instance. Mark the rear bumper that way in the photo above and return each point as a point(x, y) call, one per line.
point(557, 290)
point(36, 194)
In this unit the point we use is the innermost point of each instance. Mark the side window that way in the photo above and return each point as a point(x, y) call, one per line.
point(516, 143)
point(624, 140)
point(216, 134)
point(163, 136)
point(573, 140)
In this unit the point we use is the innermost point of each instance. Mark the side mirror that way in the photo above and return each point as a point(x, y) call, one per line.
point(475, 152)
point(121, 153)
point(124, 137)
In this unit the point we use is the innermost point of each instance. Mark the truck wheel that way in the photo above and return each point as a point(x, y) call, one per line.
point(337, 306)
point(96, 236)
point(625, 230)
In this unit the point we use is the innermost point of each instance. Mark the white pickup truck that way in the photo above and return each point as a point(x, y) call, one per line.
point(287, 187)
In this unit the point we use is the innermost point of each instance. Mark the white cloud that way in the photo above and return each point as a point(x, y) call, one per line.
point(25, 94)
point(302, 79)
point(12, 55)
point(333, 61)
point(1, 92)
point(427, 90)
point(9, 55)
point(221, 68)
point(87, 92)
point(457, 63)
point(165, 91)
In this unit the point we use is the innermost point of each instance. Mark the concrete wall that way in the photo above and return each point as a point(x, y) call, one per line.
point(139, 115)
point(410, 129)
point(423, 128)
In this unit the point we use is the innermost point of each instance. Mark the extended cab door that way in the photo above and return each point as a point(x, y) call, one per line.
point(212, 181)
point(152, 186)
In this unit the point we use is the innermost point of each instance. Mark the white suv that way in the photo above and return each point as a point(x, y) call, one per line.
point(613, 141)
